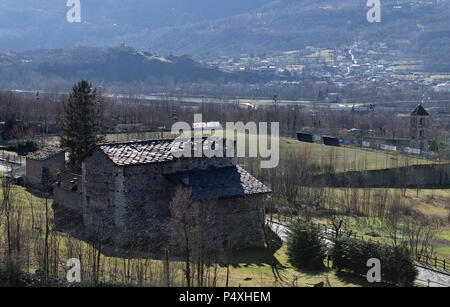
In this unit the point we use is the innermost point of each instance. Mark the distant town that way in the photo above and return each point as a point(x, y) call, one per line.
point(363, 65)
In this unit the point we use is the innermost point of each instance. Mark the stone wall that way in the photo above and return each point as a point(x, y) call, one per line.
point(132, 203)
point(33, 172)
point(70, 200)
point(147, 194)
point(99, 185)
point(54, 164)
point(240, 221)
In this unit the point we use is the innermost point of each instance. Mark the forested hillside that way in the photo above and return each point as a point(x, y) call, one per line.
point(210, 28)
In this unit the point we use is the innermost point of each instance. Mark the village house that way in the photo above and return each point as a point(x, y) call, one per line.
point(51, 158)
point(126, 188)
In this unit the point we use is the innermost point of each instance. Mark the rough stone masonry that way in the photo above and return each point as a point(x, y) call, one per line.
point(126, 189)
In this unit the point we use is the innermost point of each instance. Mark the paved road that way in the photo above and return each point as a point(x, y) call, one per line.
point(4, 169)
point(18, 171)
point(428, 275)
point(432, 277)
point(281, 230)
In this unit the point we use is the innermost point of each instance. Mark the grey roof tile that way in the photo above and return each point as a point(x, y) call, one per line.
point(219, 183)
point(144, 152)
point(45, 153)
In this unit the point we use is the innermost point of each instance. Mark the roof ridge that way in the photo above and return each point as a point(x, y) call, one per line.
point(149, 140)
point(46, 152)
point(134, 142)
point(151, 151)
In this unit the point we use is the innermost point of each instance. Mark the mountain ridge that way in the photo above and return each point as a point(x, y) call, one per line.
point(207, 30)
point(121, 65)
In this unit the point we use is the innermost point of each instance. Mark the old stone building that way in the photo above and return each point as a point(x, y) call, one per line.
point(126, 189)
point(52, 159)
point(419, 128)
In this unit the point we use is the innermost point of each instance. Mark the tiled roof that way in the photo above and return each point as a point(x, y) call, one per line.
point(219, 183)
point(419, 111)
point(144, 152)
point(45, 153)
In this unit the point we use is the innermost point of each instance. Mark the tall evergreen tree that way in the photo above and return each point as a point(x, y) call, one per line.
point(80, 122)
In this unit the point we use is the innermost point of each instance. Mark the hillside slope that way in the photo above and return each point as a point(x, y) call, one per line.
point(42, 67)
point(207, 29)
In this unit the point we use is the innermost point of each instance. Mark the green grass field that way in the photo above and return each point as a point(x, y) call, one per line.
point(250, 268)
point(433, 203)
point(345, 158)
point(247, 268)
point(351, 158)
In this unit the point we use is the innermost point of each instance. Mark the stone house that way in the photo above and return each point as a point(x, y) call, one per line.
point(126, 189)
point(51, 158)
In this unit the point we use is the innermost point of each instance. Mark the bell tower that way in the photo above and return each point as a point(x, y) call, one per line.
point(419, 128)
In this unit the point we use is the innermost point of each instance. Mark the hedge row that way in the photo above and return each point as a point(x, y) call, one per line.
point(397, 267)
point(22, 148)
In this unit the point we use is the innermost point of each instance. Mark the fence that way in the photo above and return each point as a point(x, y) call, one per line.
point(430, 282)
point(285, 220)
point(9, 158)
point(433, 261)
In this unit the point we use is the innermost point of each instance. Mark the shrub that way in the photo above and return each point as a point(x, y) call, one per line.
point(26, 147)
point(305, 246)
point(400, 268)
point(23, 148)
point(351, 254)
point(397, 266)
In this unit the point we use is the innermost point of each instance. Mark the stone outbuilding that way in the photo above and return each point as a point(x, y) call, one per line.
point(51, 158)
point(126, 189)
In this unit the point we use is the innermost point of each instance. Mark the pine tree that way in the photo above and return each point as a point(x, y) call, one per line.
point(305, 246)
point(80, 122)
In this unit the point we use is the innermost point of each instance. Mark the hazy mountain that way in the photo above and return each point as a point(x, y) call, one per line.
point(33, 24)
point(121, 65)
point(210, 28)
